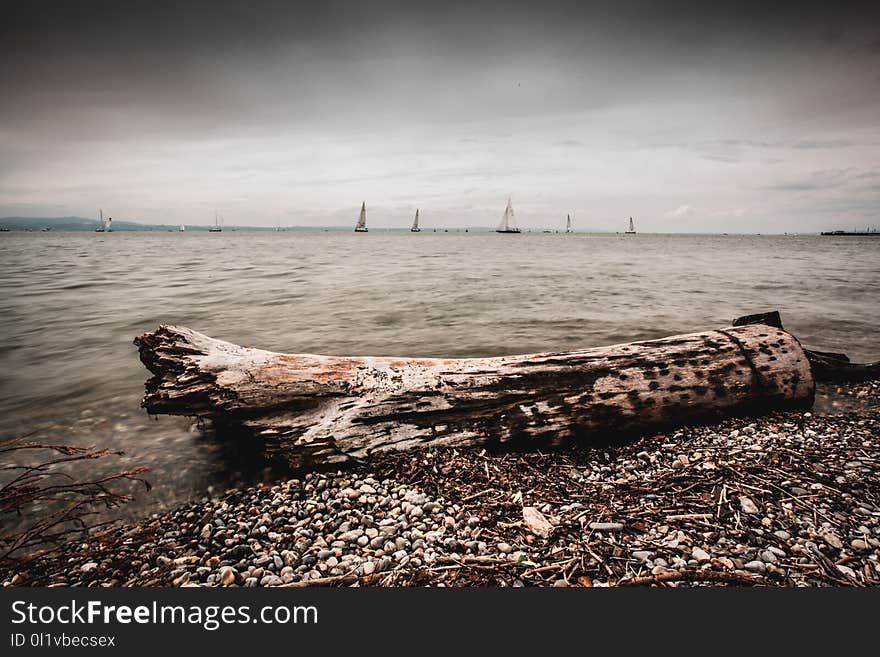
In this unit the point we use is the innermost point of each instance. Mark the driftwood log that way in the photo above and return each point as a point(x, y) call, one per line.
point(827, 365)
point(312, 410)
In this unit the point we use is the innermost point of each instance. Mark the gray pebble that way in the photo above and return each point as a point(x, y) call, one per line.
point(747, 505)
point(700, 555)
point(756, 567)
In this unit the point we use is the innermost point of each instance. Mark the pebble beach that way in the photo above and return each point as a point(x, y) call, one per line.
point(785, 500)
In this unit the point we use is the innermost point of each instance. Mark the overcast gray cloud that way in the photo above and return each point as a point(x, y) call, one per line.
point(684, 117)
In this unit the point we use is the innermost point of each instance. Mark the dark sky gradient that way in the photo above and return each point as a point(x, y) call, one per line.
point(686, 117)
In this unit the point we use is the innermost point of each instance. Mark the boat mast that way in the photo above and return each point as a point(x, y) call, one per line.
point(217, 221)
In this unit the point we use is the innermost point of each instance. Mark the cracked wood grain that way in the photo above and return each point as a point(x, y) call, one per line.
point(310, 409)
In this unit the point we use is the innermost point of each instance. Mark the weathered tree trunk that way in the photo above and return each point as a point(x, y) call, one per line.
point(312, 409)
point(826, 365)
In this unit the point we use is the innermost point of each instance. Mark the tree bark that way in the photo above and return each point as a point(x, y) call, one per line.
point(826, 365)
point(311, 409)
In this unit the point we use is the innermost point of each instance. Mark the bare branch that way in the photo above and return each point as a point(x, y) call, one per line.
point(70, 503)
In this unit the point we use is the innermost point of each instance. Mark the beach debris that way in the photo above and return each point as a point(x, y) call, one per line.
point(313, 410)
point(536, 521)
point(359, 527)
point(747, 506)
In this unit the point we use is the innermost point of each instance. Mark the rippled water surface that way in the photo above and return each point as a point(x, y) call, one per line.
point(72, 303)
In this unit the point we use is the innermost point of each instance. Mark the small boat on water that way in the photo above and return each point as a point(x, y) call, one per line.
point(181, 229)
point(415, 227)
point(568, 223)
point(103, 226)
point(361, 226)
point(216, 227)
point(632, 229)
point(508, 222)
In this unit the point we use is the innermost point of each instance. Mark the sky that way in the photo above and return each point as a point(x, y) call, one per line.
point(687, 116)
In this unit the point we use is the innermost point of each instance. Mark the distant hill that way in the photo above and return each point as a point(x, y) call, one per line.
point(56, 223)
point(82, 224)
point(76, 224)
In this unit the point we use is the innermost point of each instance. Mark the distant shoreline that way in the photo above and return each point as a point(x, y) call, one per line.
point(480, 230)
point(85, 225)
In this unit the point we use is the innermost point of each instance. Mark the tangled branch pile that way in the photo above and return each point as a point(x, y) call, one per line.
point(53, 503)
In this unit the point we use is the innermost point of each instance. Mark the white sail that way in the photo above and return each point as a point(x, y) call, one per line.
point(632, 228)
point(415, 227)
point(362, 219)
point(568, 223)
point(508, 221)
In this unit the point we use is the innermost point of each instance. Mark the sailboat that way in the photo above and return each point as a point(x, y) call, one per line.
point(415, 227)
point(102, 227)
point(216, 227)
point(181, 229)
point(361, 226)
point(568, 223)
point(508, 223)
point(632, 229)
